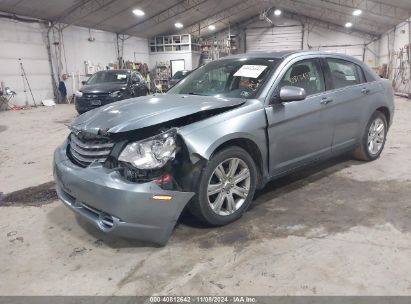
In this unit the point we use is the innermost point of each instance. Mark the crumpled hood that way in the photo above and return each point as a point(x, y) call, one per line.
point(136, 113)
point(107, 87)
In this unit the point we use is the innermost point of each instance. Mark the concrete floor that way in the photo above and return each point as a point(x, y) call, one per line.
point(336, 229)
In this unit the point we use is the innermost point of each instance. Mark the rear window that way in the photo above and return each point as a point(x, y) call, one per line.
point(344, 73)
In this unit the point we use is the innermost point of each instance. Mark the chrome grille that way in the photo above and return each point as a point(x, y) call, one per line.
point(84, 151)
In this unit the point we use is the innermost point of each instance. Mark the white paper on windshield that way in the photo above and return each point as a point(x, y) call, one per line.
point(251, 71)
point(121, 76)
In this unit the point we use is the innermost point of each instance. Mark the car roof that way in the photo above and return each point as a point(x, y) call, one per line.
point(286, 54)
point(119, 71)
point(263, 54)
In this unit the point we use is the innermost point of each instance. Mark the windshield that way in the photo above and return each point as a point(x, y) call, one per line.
point(109, 76)
point(236, 77)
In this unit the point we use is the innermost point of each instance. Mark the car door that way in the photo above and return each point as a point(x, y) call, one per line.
point(350, 92)
point(300, 131)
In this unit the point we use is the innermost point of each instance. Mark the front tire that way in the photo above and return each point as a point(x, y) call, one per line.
point(226, 187)
point(373, 140)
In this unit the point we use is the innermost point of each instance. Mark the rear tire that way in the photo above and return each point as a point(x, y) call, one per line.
point(226, 187)
point(373, 139)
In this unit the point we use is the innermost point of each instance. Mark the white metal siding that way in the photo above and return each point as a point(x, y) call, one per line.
point(355, 51)
point(273, 39)
point(25, 41)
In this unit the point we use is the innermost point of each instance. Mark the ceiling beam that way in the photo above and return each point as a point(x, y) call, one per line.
point(221, 17)
point(306, 20)
point(63, 15)
point(347, 11)
point(370, 36)
point(366, 30)
point(391, 13)
point(174, 10)
point(128, 8)
point(90, 12)
point(385, 9)
point(329, 15)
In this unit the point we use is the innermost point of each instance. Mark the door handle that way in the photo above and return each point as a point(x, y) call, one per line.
point(365, 91)
point(326, 100)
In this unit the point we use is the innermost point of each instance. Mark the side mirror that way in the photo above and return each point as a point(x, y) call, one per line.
point(290, 93)
point(83, 82)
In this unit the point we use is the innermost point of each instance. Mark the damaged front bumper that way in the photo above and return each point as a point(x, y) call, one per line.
point(114, 205)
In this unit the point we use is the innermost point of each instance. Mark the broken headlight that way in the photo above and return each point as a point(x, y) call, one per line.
point(151, 153)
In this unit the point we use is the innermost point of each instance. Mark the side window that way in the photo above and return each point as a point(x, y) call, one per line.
point(133, 77)
point(344, 73)
point(306, 74)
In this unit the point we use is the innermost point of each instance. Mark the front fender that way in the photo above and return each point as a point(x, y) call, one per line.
point(247, 122)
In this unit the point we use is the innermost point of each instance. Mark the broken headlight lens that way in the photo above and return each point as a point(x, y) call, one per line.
point(151, 153)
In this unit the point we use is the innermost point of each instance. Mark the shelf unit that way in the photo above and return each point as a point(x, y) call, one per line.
point(162, 75)
point(213, 48)
point(174, 43)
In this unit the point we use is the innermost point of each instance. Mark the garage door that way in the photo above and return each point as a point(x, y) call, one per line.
point(273, 39)
point(25, 41)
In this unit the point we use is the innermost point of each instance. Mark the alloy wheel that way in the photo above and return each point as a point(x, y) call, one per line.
point(228, 186)
point(376, 136)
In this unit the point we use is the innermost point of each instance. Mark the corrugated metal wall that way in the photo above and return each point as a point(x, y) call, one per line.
point(355, 51)
point(274, 38)
point(25, 41)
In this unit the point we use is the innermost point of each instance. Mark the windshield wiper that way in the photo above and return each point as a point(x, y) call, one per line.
point(193, 93)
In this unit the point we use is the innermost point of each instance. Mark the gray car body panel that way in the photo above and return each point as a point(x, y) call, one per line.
point(287, 134)
point(135, 213)
point(136, 113)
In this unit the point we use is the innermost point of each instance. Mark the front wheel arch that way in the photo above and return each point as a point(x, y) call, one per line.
point(387, 114)
point(199, 206)
point(251, 148)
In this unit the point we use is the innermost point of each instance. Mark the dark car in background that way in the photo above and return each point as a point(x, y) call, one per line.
point(178, 76)
point(109, 86)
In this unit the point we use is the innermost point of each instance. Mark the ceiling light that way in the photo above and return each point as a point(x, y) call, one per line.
point(348, 24)
point(357, 12)
point(138, 12)
point(277, 12)
point(178, 25)
point(211, 27)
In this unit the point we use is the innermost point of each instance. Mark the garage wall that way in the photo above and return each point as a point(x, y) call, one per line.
point(25, 41)
point(76, 49)
point(288, 35)
point(281, 38)
point(394, 50)
point(333, 41)
point(101, 51)
point(191, 59)
point(69, 51)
